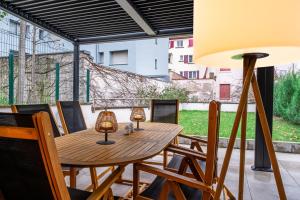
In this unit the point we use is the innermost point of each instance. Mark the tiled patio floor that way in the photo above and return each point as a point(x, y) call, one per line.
point(258, 185)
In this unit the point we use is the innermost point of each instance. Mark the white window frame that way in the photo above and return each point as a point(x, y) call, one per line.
point(125, 62)
point(181, 58)
point(179, 43)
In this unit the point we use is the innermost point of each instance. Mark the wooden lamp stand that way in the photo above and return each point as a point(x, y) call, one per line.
point(249, 60)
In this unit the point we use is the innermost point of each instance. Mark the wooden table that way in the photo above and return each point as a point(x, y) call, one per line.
point(80, 149)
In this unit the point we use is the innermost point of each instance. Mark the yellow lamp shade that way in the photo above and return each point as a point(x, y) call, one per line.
point(224, 29)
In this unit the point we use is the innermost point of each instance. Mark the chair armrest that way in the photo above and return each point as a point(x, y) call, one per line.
point(104, 187)
point(193, 138)
point(186, 152)
point(191, 182)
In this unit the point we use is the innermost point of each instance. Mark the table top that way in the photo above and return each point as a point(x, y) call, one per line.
point(80, 149)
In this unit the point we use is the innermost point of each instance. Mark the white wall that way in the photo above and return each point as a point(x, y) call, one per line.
point(225, 107)
point(141, 55)
point(146, 53)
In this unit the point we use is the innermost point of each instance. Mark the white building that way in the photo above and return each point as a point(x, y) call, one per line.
point(181, 61)
point(148, 57)
point(227, 81)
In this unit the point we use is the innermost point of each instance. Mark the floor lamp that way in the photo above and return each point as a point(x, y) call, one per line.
point(248, 34)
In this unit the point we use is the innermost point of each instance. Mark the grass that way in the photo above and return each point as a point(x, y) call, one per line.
point(194, 122)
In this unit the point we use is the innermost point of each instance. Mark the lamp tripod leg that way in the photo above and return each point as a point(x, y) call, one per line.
point(243, 102)
point(267, 137)
point(243, 139)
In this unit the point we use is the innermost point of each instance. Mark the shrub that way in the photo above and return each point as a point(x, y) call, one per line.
point(172, 92)
point(287, 98)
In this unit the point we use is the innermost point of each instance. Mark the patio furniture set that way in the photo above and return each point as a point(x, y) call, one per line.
point(35, 156)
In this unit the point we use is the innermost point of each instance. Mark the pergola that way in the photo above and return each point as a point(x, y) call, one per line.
point(96, 21)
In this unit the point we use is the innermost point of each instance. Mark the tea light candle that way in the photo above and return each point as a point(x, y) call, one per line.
point(106, 125)
point(138, 117)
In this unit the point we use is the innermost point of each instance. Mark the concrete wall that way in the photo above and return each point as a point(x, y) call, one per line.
point(225, 107)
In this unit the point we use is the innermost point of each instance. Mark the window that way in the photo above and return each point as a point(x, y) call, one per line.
point(181, 58)
point(41, 34)
point(170, 58)
point(190, 60)
point(101, 57)
point(155, 63)
point(119, 57)
point(27, 31)
point(179, 44)
point(171, 44)
point(191, 42)
point(224, 69)
point(224, 91)
point(193, 74)
point(155, 41)
point(14, 27)
point(181, 74)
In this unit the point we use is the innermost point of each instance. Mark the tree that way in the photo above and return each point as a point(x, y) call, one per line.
point(22, 60)
point(2, 14)
point(287, 97)
point(32, 97)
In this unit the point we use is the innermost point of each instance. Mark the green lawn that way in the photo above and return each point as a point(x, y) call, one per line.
point(194, 122)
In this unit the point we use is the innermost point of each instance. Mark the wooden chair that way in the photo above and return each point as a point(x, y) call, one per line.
point(72, 120)
point(197, 142)
point(30, 167)
point(191, 178)
point(164, 111)
point(35, 108)
point(71, 116)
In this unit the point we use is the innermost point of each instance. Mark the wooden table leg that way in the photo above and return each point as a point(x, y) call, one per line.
point(73, 177)
point(136, 182)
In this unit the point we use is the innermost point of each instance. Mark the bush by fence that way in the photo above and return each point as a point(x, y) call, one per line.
point(287, 97)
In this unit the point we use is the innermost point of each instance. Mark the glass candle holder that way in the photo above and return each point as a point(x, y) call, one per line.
point(138, 115)
point(106, 123)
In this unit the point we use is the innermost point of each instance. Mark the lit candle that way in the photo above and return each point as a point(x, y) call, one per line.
point(138, 117)
point(106, 125)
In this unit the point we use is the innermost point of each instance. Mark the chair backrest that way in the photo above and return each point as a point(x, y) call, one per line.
point(20, 120)
point(212, 141)
point(164, 111)
point(34, 108)
point(71, 116)
point(30, 167)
